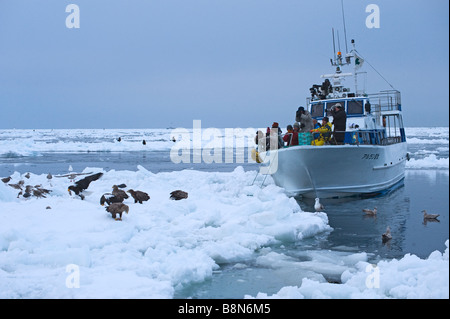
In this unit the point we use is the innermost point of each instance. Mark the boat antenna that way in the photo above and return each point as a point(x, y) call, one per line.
point(345, 31)
point(334, 45)
point(339, 41)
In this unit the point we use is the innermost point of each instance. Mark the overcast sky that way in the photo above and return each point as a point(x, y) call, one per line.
point(228, 63)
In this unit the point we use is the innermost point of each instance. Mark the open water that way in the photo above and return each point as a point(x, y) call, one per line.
point(426, 186)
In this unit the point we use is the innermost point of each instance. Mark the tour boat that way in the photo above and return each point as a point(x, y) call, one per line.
point(371, 160)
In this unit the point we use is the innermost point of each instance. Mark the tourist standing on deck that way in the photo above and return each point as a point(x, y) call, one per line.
point(339, 123)
point(305, 120)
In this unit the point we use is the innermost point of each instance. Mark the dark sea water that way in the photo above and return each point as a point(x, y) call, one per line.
point(426, 186)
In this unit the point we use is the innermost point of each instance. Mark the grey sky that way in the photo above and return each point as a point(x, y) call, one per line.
point(228, 63)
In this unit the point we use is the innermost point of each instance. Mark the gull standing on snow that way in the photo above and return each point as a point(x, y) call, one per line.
point(318, 206)
point(49, 178)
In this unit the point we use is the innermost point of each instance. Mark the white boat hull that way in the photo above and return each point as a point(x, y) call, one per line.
point(339, 170)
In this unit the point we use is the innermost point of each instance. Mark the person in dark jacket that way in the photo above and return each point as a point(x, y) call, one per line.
point(303, 117)
point(339, 123)
point(276, 131)
point(294, 139)
point(288, 136)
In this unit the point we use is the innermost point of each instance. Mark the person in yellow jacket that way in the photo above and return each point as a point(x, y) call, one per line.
point(325, 132)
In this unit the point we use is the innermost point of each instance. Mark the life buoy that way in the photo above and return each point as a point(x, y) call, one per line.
point(255, 156)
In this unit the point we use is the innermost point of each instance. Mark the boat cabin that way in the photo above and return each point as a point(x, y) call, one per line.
point(371, 118)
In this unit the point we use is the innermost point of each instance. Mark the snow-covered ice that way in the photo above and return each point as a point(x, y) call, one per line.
point(74, 249)
point(407, 278)
point(157, 247)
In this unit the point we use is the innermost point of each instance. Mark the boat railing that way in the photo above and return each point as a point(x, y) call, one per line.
point(389, 100)
point(356, 137)
point(379, 136)
point(370, 137)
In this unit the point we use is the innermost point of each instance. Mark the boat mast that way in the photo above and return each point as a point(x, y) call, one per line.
point(338, 60)
point(355, 67)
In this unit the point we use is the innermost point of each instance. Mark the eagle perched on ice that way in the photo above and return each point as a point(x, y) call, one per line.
point(83, 184)
point(178, 194)
point(109, 198)
point(139, 196)
point(117, 208)
point(120, 194)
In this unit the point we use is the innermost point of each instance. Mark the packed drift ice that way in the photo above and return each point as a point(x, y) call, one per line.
point(63, 247)
point(31, 143)
point(160, 245)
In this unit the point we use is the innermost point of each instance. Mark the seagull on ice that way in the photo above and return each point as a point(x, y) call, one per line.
point(370, 212)
point(387, 235)
point(318, 206)
point(429, 216)
point(72, 176)
point(18, 185)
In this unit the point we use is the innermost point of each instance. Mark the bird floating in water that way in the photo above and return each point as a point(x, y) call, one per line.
point(83, 184)
point(429, 216)
point(370, 212)
point(138, 196)
point(387, 235)
point(117, 209)
point(178, 194)
point(318, 206)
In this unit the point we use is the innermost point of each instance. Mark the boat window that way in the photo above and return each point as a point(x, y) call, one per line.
point(355, 107)
point(331, 104)
point(317, 110)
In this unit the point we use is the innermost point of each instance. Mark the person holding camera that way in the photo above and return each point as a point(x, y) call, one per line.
point(303, 117)
point(339, 123)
